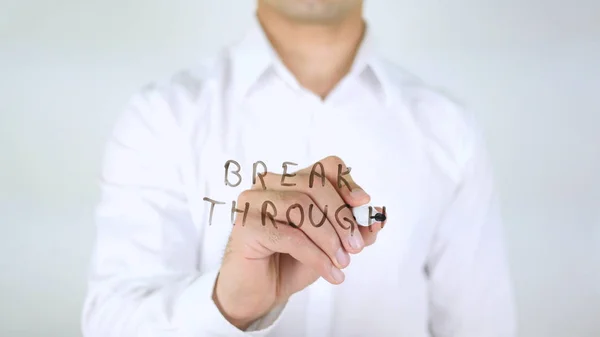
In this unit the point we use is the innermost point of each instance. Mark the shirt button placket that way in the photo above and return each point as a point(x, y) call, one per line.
point(320, 294)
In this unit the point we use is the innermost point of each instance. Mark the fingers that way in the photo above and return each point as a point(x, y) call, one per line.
point(330, 204)
point(293, 241)
point(320, 206)
point(334, 172)
point(283, 208)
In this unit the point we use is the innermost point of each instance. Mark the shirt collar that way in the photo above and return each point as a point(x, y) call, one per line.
point(254, 56)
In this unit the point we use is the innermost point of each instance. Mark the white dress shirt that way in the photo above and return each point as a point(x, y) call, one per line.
point(437, 269)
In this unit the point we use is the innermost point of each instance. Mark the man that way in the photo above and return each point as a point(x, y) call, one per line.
point(196, 239)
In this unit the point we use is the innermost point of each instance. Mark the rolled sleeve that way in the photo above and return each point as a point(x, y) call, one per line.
point(197, 299)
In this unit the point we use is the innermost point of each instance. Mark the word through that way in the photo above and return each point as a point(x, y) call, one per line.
point(269, 211)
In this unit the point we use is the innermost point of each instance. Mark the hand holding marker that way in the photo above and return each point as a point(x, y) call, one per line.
point(264, 265)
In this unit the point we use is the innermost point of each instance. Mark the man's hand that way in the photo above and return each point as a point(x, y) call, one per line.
point(274, 254)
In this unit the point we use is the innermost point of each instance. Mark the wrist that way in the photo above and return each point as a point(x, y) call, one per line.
point(239, 316)
point(241, 324)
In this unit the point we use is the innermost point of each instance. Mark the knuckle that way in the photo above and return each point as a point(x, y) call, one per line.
point(334, 160)
point(297, 239)
point(292, 198)
point(270, 179)
point(240, 221)
point(245, 196)
point(324, 264)
point(302, 179)
point(333, 244)
point(281, 196)
point(286, 199)
point(237, 222)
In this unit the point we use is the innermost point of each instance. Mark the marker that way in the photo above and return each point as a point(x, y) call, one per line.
point(361, 213)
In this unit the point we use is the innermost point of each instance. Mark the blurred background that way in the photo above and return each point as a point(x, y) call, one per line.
point(530, 68)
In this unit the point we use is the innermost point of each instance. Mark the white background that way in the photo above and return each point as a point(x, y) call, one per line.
point(530, 68)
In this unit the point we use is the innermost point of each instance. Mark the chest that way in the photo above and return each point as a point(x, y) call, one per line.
point(381, 146)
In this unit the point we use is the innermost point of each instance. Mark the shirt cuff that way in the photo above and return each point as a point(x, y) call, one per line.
point(196, 313)
point(267, 322)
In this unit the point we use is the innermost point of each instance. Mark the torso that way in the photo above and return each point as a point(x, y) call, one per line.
point(385, 291)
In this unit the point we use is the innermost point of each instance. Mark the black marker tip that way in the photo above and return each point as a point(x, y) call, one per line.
point(379, 217)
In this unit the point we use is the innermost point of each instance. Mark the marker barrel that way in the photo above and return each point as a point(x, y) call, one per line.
point(361, 214)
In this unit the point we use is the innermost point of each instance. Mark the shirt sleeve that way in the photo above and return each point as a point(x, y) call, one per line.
point(144, 279)
point(469, 281)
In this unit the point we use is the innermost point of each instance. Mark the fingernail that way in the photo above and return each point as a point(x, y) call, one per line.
point(358, 194)
point(355, 240)
point(337, 274)
point(342, 257)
